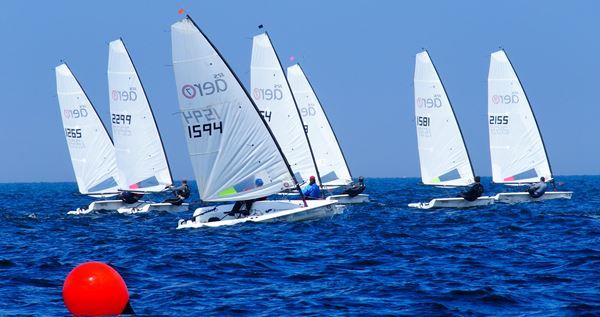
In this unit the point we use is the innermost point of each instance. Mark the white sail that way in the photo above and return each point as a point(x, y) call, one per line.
point(328, 155)
point(516, 146)
point(443, 156)
point(92, 152)
point(272, 95)
point(233, 153)
point(141, 158)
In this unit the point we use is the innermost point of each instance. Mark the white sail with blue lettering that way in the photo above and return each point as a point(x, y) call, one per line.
point(443, 155)
point(141, 158)
point(91, 149)
point(329, 157)
point(272, 95)
point(233, 153)
point(516, 146)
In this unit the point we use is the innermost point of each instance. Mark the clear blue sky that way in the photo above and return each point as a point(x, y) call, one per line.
point(359, 56)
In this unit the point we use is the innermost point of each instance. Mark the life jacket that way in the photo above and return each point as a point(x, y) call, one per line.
point(184, 192)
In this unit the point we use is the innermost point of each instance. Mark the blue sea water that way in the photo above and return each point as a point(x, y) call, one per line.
point(379, 258)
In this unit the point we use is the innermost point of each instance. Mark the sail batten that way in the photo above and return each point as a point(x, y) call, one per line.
point(141, 158)
point(443, 156)
point(517, 149)
point(328, 154)
point(90, 147)
point(238, 157)
point(273, 96)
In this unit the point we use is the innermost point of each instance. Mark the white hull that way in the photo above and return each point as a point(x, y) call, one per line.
point(262, 211)
point(346, 199)
point(455, 202)
point(121, 207)
point(148, 207)
point(523, 197)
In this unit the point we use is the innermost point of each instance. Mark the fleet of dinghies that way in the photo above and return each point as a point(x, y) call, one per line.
point(246, 147)
point(136, 161)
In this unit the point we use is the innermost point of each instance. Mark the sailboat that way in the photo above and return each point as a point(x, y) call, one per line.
point(234, 154)
point(141, 160)
point(329, 158)
point(90, 147)
point(273, 97)
point(443, 156)
point(517, 149)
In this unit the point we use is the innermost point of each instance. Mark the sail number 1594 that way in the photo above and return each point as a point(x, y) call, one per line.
point(200, 130)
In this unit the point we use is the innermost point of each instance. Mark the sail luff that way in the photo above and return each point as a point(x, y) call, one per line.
point(90, 146)
point(330, 158)
point(518, 153)
point(272, 95)
point(152, 113)
point(141, 158)
point(443, 155)
point(289, 89)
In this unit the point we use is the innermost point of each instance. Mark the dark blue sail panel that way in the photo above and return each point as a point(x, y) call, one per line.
point(329, 177)
point(531, 173)
point(103, 185)
point(299, 178)
point(148, 182)
point(452, 175)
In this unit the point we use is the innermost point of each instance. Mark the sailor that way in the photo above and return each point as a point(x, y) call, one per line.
point(237, 207)
point(474, 192)
point(355, 189)
point(130, 197)
point(312, 190)
point(536, 190)
point(181, 193)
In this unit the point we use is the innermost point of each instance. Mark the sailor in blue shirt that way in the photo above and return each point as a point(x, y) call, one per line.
point(312, 190)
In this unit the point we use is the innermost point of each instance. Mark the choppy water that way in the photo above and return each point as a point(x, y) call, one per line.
point(380, 258)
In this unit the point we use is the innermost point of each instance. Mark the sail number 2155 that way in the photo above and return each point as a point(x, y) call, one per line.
point(498, 119)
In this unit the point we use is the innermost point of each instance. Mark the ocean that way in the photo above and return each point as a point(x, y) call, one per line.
point(378, 258)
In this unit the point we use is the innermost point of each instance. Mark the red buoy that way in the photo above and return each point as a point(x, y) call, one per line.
point(95, 289)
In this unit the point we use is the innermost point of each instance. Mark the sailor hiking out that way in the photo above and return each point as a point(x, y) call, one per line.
point(474, 192)
point(356, 189)
point(181, 194)
point(537, 190)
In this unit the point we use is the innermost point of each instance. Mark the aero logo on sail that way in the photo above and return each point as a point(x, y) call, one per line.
point(124, 95)
point(434, 102)
point(76, 113)
point(505, 99)
point(190, 91)
point(308, 111)
point(268, 93)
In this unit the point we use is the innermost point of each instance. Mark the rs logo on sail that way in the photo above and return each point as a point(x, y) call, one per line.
point(435, 102)
point(125, 95)
point(505, 99)
point(190, 91)
point(76, 113)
